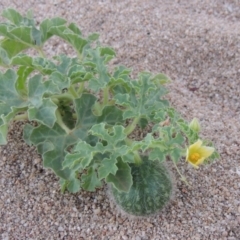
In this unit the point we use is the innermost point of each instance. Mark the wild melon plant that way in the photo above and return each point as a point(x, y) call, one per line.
point(81, 116)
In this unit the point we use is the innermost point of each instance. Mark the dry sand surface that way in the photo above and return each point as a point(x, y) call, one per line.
point(196, 43)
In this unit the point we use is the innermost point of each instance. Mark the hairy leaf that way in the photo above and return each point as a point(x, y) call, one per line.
point(58, 140)
point(122, 180)
point(8, 94)
point(145, 102)
point(44, 113)
point(90, 180)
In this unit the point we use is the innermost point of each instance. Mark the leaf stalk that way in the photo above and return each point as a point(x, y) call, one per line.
point(130, 128)
point(61, 123)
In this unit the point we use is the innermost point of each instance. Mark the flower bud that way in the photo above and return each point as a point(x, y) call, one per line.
point(194, 125)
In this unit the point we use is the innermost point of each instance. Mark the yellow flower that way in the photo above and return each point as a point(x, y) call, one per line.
point(194, 125)
point(196, 153)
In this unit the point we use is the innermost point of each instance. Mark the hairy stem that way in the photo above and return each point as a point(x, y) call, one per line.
point(61, 123)
point(72, 91)
point(130, 128)
point(182, 177)
point(65, 96)
point(81, 88)
point(41, 53)
point(137, 158)
point(21, 117)
point(105, 96)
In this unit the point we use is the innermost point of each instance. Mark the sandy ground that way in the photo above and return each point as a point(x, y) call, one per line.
point(197, 43)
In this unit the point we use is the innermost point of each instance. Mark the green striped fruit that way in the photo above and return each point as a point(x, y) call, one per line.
point(151, 189)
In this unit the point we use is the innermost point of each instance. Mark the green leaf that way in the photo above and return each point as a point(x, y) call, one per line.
point(74, 28)
point(64, 63)
point(44, 65)
point(4, 59)
point(44, 147)
point(107, 166)
point(67, 115)
point(3, 133)
point(47, 24)
point(22, 34)
point(17, 19)
point(93, 37)
point(68, 35)
point(111, 115)
point(82, 155)
point(74, 185)
point(74, 161)
point(122, 180)
point(98, 61)
point(81, 158)
point(22, 59)
point(160, 115)
point(121, 72)
point(90, 180)
point(86, 118)
point(36, 89)
point(5, 119)
point(143, 122)
point(176, 154)
point(44, 113)
point(83, 106)
point(116, 136)
point(144, 100)
point(60, 80)
point(27, 131)
point(12, 47)
point(178, 140)
point(36, 36)
point(13, 16)
point(108, 52)
point(77, 73)
point(8, 94)
point(63, 184)
point(157, 154)
point(52, 144)
point(161, 79)
point(21, 84)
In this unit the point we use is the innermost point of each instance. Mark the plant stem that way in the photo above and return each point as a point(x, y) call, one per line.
point(132, 126)
point(61, 123)
point(182, 177)
point(81, 88)
point(41, 53)
point(137, 158)
point(64, 96)
point(20, 117)
point(128, 141)
point(72, 90)
point(105, 96)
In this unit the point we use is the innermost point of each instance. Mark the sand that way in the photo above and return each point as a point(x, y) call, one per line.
point(197, 44)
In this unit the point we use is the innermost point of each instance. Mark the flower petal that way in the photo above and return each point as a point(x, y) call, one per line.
point(196, 145)
point(193, 164)
point(205, 152)
point(200, 161)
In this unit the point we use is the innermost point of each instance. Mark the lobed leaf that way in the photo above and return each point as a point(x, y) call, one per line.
point(90, 180)
point(9, 97)
point(44, 113)
point(108, 166)
point(144, 100)
point(98, 62)
point(52, 144)
point(122, 180)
